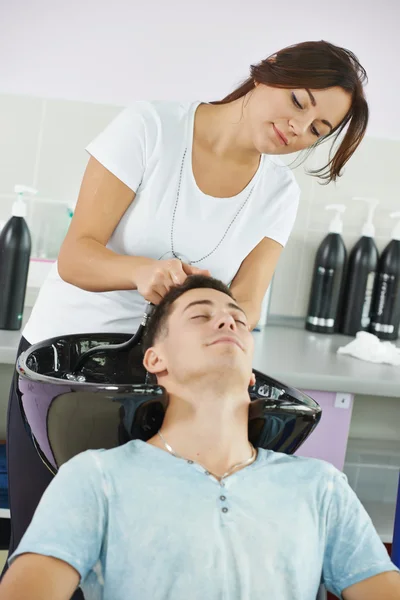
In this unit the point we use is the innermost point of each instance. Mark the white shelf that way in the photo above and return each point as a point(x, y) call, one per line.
point(4, 513)
point(373, 467)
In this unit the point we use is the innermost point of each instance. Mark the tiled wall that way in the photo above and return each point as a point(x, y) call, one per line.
point(373, 171)
point(42, 145)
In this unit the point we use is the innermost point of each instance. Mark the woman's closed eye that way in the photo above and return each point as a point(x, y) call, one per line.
point(295, 101)
point(297, 104)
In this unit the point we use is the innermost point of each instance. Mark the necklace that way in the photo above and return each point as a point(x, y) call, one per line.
point(245, 463)
point(174, 212)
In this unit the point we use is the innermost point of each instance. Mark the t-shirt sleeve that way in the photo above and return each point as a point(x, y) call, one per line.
point(123, 147)
point(353, 550)
point(70, 521)
point(282, 216)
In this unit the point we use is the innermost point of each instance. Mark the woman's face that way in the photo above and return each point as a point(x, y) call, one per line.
point(284, 120)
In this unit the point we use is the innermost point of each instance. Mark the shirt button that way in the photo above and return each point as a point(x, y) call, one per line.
point(224, 510)
point(190, 462)
point(222, 484)
point(222, 498)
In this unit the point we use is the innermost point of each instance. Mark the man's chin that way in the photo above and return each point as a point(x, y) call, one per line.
point(229, 365)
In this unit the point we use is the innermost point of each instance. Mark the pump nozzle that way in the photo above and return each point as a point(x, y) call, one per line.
point(396, 230)
point(336, 225)
point(368, 229)
point(24, 189)
point(19, 206)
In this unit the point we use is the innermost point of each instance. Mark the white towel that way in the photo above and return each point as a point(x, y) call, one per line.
point(367, 346)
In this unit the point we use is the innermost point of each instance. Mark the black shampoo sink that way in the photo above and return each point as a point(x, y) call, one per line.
point(111, 402)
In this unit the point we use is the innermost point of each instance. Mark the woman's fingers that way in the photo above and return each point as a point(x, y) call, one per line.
point(163, 276)
point(191, 270)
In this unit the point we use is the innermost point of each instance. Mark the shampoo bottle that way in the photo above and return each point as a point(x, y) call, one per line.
point(385, 317)
point(360, 280)
point(15, 251)
point(327, 282)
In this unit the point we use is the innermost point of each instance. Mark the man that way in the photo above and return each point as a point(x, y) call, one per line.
point(196, 513)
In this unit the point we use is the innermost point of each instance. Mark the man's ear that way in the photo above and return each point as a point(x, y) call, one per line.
point(153, 361)
point(252, 380)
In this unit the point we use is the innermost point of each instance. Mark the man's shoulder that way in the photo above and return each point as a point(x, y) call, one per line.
point(102, 460)
point(301, 466)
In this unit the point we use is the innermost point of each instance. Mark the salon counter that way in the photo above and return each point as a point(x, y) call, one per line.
point(286, 351)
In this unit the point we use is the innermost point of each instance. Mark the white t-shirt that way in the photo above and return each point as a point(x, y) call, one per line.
point(144, 147)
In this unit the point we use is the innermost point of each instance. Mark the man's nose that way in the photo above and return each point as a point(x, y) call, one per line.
point(226, 322)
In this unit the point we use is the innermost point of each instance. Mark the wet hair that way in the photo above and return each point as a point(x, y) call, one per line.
point(158, 321)
point(317, 65)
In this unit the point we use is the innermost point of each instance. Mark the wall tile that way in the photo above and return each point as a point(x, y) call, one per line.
point(68, 127)
point(305, 182)
point(20, 123)
point(6, 201)
point(372, 172)
point(286, 279)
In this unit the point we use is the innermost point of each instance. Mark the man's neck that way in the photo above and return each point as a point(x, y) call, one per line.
point(208, 427)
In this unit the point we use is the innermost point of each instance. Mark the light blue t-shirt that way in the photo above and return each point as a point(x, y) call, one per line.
point(139, 523)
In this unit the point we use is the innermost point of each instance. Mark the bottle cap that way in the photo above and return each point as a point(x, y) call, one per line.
point(19, 208)
point(368, 229)
point(336, 225)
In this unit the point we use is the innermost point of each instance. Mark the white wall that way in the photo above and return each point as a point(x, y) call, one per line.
point(116, 52)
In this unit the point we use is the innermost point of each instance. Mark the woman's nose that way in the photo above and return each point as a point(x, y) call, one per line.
point(300, 125)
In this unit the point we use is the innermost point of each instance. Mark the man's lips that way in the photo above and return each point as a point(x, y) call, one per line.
point(227, 339)
point(280, 135)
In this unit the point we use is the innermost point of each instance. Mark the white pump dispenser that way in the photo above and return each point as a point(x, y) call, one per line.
point(19, 206)
point(396, 230)
point(336, 225)
point(368, 229)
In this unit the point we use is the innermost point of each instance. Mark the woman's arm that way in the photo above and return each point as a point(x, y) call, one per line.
point(254, 276)
point(84, 259)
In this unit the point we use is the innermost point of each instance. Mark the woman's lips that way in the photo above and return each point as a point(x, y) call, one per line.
point(280, 136)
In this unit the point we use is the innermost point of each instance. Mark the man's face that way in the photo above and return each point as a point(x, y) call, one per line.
point(207, 334)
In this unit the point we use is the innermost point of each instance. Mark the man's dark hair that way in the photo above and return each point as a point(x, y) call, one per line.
point(158, 320)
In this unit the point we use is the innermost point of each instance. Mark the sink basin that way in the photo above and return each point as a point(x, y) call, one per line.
point(111, 401)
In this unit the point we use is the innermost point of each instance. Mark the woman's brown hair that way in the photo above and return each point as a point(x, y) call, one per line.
point(317, 65)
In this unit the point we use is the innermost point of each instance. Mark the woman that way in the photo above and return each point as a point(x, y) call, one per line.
point(198, 182)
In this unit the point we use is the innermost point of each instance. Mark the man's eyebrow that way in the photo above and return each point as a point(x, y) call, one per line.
point(314, 103)
point(210, 303)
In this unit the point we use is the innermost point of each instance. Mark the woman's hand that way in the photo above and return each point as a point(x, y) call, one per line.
point(155, 278)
